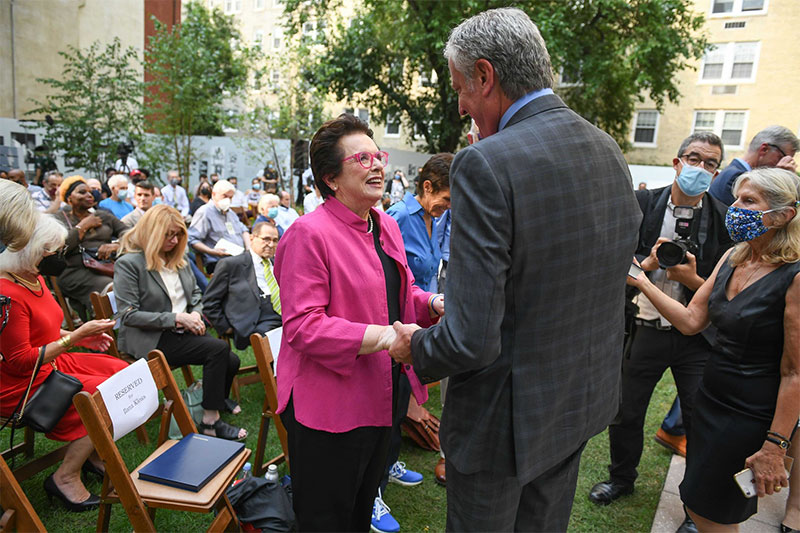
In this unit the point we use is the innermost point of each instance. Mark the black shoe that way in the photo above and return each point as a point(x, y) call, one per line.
point(688, 526)
point(605, 492)
point(786, 529)
point(89, 468)
point(50, 487)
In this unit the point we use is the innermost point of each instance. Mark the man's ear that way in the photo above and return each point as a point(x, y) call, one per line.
point(484, 76)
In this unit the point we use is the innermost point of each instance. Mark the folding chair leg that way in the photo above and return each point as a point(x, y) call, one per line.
point(27, 447)
point(226, 519)
point(141, 435)
point(261, 446)
point(235, 389)
point(188, 377)
point(103, 517)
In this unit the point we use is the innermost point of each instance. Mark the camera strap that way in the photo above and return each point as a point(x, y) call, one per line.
point(702, 231)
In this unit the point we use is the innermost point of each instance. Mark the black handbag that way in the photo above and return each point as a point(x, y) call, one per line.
point(51, 400)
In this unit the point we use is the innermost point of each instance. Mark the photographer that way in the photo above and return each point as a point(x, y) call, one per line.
point(681, 237)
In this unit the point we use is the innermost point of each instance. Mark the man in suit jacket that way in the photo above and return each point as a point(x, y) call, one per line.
point(238, 299)
point(774, 146)
point(532, 338)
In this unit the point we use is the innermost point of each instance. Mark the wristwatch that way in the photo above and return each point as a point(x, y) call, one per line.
point(781, 443)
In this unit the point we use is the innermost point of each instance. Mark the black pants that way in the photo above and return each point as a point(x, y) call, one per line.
point(220, 364)
point(335, 476)
point(486, 502)
point(652, 352)
point(400, 408)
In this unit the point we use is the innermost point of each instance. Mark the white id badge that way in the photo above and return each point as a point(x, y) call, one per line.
point(229, 227)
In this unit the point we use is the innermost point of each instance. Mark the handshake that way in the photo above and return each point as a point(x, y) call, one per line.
point(397, 339)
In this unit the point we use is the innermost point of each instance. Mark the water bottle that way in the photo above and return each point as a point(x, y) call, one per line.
point(272, 474)
point(246, 471)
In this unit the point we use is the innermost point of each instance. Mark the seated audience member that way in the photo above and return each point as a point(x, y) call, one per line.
point(201, 198)
point(18, 216)
point(97, 190)
point(46, 198)
point(144, 200)
point(268, 210)
point(254, 194)
point(117, 203)
point(774, 146)
point(270, 178)
point(242, 297)
point(215, 221)
point(155, 285)
point(174, 195)
point(34, 322)
point(202, 179)
point(239, 200)
point(312, 201)
point(18, 176)
point(286, 213)
point(91, 232)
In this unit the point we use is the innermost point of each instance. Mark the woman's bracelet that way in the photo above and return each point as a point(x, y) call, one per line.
point(778, 440)
point(432, 299)
point(65, 341)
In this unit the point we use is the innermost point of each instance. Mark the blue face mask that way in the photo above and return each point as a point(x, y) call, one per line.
point(694, 181)
point(122, 194)
point(273, 212)
point(745, 224)
point(256, 186)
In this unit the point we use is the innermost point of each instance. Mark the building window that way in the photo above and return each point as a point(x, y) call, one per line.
point(258, 37)
point(729, 125)
point(233, 6)
point(308, 28)
point(259, 4)
point(738, 7)
point(277, 39)
point(349, 110)
point(392, 126)
point(644, 133)
point(731, 62)
point(363, 114)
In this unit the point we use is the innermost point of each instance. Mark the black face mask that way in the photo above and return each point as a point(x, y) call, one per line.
point(52, 265)
point(97, 196)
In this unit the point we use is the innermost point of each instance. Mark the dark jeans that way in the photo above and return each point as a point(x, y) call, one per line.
point(652, 352)
point(335, 476)
point(673, 422)
point(220, 364)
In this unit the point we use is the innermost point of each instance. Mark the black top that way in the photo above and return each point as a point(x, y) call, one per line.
point(390, 273)
point(743, 372)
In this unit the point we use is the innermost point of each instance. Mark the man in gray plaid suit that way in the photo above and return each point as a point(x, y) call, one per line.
point(544, 229)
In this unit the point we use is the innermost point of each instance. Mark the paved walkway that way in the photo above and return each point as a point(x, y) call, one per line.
point(669, 514)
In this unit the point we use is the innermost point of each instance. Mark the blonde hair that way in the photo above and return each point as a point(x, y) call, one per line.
point(264, 200)
point(780, 188)
point(18, 215)
point(48, 236)
point(147, 236)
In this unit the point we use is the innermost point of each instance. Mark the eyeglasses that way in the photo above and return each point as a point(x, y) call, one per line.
point(173, 235)
point(272, 240)
point(365, 159)
point(778, 148)
point(694, 159)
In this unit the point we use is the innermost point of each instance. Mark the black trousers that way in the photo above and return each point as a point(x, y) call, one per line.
point(486, 502)
point(652, 352)
point(220, 364)
point(400, 408)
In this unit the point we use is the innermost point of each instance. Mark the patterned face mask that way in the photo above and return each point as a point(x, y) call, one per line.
point(746, 224)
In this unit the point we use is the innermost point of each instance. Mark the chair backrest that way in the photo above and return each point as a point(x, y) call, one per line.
point(53, 281)
point(103, 309)
point(18, 513)
point(94, 415)
point(263, 355)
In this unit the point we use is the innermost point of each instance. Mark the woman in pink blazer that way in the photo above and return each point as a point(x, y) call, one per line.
point(344, 279)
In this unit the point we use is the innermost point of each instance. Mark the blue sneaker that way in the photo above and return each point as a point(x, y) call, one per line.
point(382, 521)
point(399, 474)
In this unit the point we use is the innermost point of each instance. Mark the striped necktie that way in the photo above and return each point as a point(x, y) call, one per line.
point(272, 283)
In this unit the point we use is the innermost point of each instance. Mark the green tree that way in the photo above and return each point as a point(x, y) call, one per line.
point(94, 105)
point(389, 56)
point(198, 70)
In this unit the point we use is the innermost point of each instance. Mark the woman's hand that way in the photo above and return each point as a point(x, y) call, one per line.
point(386, 337)
point(99, 342)
point(768, 469)
point(89, 222)
point(107, 250)
point(191, 322)
point(91, 329)
point(438, 304)
point(639, 280)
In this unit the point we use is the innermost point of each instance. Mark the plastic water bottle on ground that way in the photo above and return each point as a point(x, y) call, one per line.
point(272, 474)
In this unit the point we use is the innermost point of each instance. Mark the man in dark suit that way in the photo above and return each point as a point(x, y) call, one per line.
point(544, 229)
point(656, 345)
point(241, 299)
point(774, 146)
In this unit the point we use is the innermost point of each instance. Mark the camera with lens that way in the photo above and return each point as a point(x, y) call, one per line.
point(672, 253)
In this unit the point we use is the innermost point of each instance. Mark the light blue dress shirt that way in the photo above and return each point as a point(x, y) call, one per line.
point(519, 104)
point(423, 252)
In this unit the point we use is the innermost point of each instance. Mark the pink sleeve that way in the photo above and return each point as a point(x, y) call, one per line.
point(302, 271)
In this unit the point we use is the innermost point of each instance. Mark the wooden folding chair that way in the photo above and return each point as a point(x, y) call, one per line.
point(141, 498)
point(264, 361)
point(65, 308)
point(25, 448)
point(18, 513)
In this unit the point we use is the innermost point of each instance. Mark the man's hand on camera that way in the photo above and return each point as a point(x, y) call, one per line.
point(686, 273)
point(650, 262)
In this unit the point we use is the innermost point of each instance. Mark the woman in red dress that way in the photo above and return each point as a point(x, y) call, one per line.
point(34, 320)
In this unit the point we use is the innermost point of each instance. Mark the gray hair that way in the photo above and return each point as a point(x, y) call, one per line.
point(509, 40)
point(117, 179)
point(18, 215)
point(48, 236)
point(705, 137)
point(222, 186)
point(777, 135)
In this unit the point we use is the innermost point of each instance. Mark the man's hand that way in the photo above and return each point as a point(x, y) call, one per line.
point(400, 350)
point(787, 163)
point(650, 262)
point(218, 252)
point(686, 273)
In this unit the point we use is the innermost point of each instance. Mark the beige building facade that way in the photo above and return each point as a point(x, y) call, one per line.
point(749, 79)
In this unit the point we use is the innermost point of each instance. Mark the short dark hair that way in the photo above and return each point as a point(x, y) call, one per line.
point(705, 137)
point(326, 154)
point(146, 185)
point(258, 225)
point(437, 171)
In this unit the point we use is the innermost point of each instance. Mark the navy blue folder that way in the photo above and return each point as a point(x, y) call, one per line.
point(192, 462)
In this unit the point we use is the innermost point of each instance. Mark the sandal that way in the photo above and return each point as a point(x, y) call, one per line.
point(231, 405)
point(222, 430)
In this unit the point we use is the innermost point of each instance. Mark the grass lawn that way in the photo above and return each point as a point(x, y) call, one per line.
point(420, 508)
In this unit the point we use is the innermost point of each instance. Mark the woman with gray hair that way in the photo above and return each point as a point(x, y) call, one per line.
point(747, 406)
point(17, 215)
point(34, 324)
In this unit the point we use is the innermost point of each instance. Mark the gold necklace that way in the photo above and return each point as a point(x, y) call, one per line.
point(35, 286)
point(753, 273)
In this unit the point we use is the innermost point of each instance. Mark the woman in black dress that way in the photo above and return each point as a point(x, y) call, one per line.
point(749, 400)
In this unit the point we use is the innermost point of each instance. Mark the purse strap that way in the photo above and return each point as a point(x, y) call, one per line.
point(33, 377)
